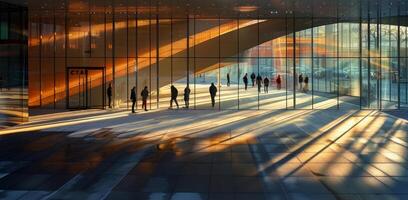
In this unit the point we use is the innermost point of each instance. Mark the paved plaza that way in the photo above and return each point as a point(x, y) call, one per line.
point(206, 154)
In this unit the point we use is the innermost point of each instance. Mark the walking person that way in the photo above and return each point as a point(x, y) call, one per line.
point(174, 94)
point(245, 79)
point(109, 93)
point(145, 95)
point(266, 85)
point(213, 93)
point(300, 82)
point(306, 88)
point(187, 96)
point(133, 98)
point(279, 82)
point(228, 80)
point(253, 79)
point(259, 82)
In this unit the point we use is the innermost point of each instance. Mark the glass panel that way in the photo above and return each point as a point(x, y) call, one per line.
point(206, 73)
point(95, 90)
point(304, 83)
point(228, 38)
point(248, 38)
point(120, 87)
point(47, 83)
point(273, 93)
point(349, 82)
point(389, 83)
point(180, 75)
point(248, 93)
point(78, 34)
point(206, 42)
point(60, 85)
point(165, 69)
point(121, 34)
point(98, 28)
point(325, 83)
point(77, 88)
point(230, 79)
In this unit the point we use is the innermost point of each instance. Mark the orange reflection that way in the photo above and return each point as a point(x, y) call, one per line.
point(145, 61)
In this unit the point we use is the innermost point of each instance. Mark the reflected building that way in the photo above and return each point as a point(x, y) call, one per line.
point(353, 52)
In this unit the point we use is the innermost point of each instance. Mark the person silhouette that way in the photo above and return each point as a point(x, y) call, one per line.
point(145, 95)
point(109, 94)
point(300, 82)
point(245, 79)
point(259, 82)
point(266, 85)
point(174, 94)
point(279, 82)
point(187, 96)
point(228, 80)
point(253, 76)
point(306, 87)
point(133, 98)
point(213, 93)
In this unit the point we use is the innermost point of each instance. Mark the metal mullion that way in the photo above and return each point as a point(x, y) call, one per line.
point(312, 52)
point(360, 57)
point(66, 55)
point(194, 64)
point(238, 60)
point(294, 60)
point(389, 69)
point(40, 56)
point(286, 58)
point(127, 57)
point(54, 51)
point(188, 50)
point(337, 54)
point(399, 57)
point(157, 59)
point(259, 91)
point(171, 48)
point(219, 61)
point(136, 57)
point(113, 54)
point(104, 52)
point(406, 59)
point(379, 48)
point(150, 56)
point(368, 57)
point(89, 31)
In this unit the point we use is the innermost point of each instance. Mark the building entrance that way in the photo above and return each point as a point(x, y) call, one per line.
point(86, 87)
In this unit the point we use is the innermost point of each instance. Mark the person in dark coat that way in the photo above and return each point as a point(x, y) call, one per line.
point(145, 95)
point(133, 98)
point(279, 82)
point(300, 82)
point(187, 96)
point(245, 79)
point(174, 94)
point(266, 85)
point(259, 82)
point(213, 93)
point(109, 93)
point(253, 79)
point(306, 87)
point(228, 80)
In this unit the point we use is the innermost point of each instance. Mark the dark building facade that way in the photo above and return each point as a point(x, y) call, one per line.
point(13, 64)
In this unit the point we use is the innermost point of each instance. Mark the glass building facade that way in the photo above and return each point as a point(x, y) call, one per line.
point(13, 64)
point(353, 53)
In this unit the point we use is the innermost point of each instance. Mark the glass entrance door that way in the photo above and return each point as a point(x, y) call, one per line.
point(86, 88)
